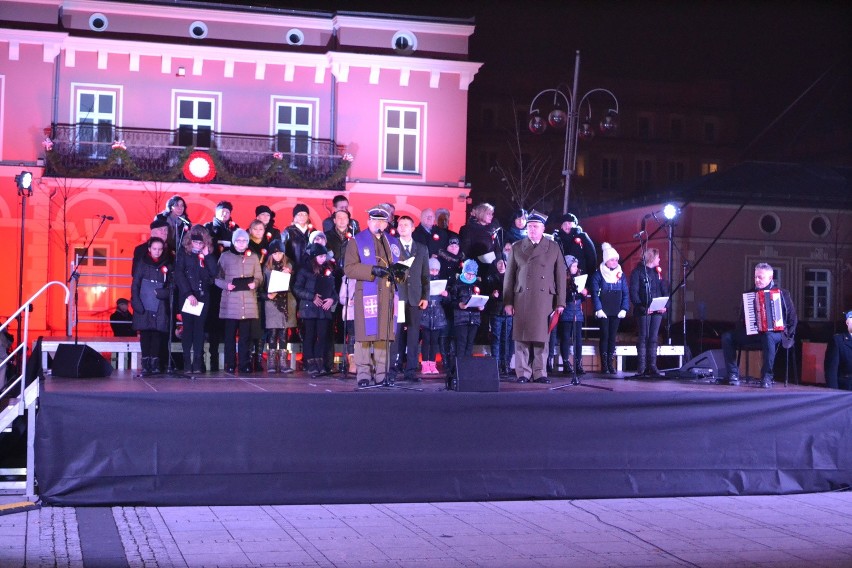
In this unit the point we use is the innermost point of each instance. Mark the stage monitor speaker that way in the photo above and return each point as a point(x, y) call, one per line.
point(477, 374)
point(711, 363)
point(79, 362)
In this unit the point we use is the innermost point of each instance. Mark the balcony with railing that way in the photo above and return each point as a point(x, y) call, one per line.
point(104, 151)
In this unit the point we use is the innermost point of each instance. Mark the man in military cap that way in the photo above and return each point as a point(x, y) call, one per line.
point(533, 287)
point(367, 261)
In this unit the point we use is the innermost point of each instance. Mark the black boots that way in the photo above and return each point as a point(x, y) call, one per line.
point(150, 366)
point(607, 363)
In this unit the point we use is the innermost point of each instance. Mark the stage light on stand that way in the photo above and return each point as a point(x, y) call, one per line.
point(24, 180)
point(670, 211)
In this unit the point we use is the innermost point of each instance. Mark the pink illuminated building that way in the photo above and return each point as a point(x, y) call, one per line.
point(104, 101)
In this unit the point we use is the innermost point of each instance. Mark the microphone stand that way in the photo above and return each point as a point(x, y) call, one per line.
point(75, 276)
point(575, 379)
point(171, 371)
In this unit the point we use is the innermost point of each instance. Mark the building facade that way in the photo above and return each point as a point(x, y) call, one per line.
point(105, 103)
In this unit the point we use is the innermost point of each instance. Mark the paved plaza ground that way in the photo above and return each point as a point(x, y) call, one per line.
point(809, 530)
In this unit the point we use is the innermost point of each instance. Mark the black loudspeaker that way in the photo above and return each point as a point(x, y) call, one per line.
point(711, 363)
point(477, 374)
point(79, 362)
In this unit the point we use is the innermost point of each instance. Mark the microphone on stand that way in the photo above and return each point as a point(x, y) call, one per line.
point(638, 235)
point(184, 221)
point(106, 217)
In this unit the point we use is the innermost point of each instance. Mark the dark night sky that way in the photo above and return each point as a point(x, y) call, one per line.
point(770, 51)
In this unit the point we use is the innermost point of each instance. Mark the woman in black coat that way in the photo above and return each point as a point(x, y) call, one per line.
point(647, 283)
point(149, 296)
point(315, 290)
point(195, 272)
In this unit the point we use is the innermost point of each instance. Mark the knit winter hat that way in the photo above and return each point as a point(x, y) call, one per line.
point(315, 250)
point(608, 253)
point(274, 246)
point(470, 266)
point(569, 260)
point(240, 234)
point(299, 208)
point(434, 264)
point(313, 236)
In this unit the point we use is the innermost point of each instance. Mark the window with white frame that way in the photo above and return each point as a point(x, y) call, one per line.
point(293, 127)
point(402, 136)
point(817, 294)
point(95, 118)
point(195, 120)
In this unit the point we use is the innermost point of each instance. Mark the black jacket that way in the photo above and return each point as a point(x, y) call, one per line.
point(149, 294)
point(645, 285)
point(194, 275)
point(307, 285)
point(578, 244)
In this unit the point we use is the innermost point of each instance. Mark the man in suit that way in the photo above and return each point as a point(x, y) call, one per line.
point(838, 358)
point(366, 262)
point(533, 287)
point(428, 233)
point(414, 295)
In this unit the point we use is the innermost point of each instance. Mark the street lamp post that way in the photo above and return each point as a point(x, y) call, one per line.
point(569, 119)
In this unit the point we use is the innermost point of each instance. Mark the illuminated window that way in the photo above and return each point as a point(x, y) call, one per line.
point(195, 120)
point(293, 127)
point(402, 139)
point(817, 293)
point(98, 257)
point(709, 168)
point(95, 122)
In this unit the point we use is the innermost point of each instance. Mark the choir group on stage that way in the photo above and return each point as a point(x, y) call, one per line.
point(258, 290)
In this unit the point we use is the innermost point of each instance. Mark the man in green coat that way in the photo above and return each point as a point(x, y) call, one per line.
point(534, 286)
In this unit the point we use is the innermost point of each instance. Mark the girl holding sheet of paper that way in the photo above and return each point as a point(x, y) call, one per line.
point(279, 307)
point(195, 270)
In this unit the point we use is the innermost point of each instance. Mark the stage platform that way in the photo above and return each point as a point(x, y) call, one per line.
point(293, 439)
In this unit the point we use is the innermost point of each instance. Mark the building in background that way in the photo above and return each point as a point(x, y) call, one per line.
point(116, 106)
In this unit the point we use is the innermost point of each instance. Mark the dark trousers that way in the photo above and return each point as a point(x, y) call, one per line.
point(465, 335)
point(609, 330)
point(431, 343)
point(502, 346)
point(315, 339)
point(648, 331)
point(150, 342)
point(766, 341)
point(407, 342)
point(232, 327)
point(193, 338)
point(570, 334)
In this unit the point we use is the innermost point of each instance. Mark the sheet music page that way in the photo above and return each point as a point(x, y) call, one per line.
point(580, 281)
point(193, 310)
point(437, 286)
point(278, 281)
point(476, 300)
point(658, 304)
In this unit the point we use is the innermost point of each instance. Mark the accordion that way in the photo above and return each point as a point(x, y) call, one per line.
point(763, 311)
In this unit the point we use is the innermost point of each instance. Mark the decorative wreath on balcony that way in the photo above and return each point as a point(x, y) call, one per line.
point(199, 167)
point(121, 157)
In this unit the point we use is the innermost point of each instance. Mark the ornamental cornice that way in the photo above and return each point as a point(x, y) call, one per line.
point(394, 24)
point(341, 62)
point(267, 18)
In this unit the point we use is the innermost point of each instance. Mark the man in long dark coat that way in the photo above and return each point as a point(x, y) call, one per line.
point(366, 261)
point(534, 286)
